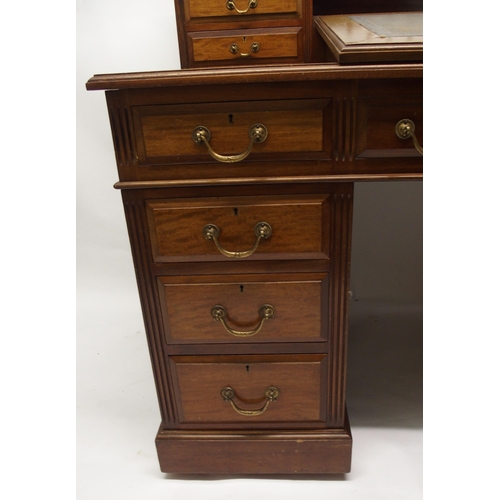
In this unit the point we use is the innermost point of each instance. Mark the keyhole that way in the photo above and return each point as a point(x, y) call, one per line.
point(235, 212)
point(244, 38)
point(242, 288)
point(248, 368)
point(230, 118)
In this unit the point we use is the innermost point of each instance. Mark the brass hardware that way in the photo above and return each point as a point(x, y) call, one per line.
point(266, 312)
point(254, 48)
point(230, 5)
point(271, 394)
point(262, 230)
point(406, 129)
point(258, 133)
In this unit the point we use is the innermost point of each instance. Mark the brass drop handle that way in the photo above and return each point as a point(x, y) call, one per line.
point(271, 395)
point(254, 48)
point(201, 135)
point(262, 230)
point(219, 313)
point(406, 129)
point(230, 5)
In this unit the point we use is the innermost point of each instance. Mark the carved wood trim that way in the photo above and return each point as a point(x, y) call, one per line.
point(138, 234)
point(342, 204)
point(122, 130)
point(344, 128)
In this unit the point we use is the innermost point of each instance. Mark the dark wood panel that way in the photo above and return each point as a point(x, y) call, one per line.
point(299, 302)
point(300, 380)
point(164, 133)
point(217, 8)
point(262, 74)
point(299, 227)
point(247, 452)
point(278, 44)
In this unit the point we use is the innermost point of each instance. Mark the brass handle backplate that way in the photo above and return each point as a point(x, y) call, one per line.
point(262, 230)
point(254, 48)
point(201, 135)
point(219, 313)
point(271, 395)
point(230, 5)
point(406, 129)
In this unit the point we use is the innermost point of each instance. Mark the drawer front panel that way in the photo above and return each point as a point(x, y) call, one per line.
point(299, 308)
point(164, 134)
point(299, 227)
point(245, 46)
point(377, 120)
point(218, 8)
point(299, 380)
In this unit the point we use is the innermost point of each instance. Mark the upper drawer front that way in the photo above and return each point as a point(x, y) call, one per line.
point(296, 382)
point(164, 134)
point(257, 227)
point(246, 46)
point(377, 120)
point(256, 308)
point(229, 9)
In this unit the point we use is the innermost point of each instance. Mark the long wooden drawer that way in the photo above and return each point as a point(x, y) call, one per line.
point(377, 121)
point(240, 227)
point(165, 135)
point(250, 389)
point(245, 308)
point(246, 46)
point(222, 8)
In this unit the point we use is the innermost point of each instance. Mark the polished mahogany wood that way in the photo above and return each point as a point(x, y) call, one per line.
point(321, 126)
point(300, 381)
point(256, 452)
point(299, 227)
point(163, 134)
point(261, 75)
point(170, 193)
point(300, 303)
point(208, 29)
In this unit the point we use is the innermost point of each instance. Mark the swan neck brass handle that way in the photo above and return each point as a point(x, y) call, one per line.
point(254, 48)
point(230, 5)
point(271, 395)
point(219, 313)
point(201, 135)
point(405, 129)
point(262, 230)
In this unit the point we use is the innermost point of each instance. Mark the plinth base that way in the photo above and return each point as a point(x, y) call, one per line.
point(255, 452)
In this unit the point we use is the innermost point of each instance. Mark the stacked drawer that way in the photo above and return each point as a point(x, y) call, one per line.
point(234, 32)
point(249, 310)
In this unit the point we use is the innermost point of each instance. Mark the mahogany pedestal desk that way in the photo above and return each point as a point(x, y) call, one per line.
point(237, 185)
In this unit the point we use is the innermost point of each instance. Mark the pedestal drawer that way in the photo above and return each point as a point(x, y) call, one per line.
point(245, 308)
point(253, 227)
point(250, 389)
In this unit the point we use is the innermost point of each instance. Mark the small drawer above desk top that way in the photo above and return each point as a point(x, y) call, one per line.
point(238, 9)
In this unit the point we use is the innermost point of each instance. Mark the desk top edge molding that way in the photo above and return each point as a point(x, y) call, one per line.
point(301, 72)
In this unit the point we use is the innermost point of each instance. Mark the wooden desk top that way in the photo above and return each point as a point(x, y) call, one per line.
point(262, 74)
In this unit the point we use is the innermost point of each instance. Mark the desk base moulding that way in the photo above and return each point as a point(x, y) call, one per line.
point(255, 452)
